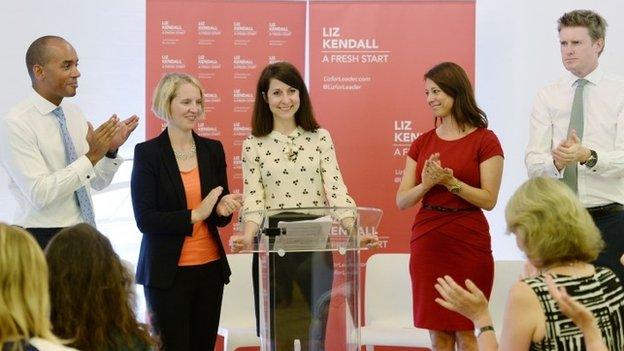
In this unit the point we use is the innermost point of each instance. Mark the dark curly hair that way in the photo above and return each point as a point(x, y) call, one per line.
point(91, 292)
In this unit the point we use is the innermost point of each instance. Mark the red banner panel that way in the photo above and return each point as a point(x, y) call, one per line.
point(366, 64)
point(225, 44)
point(367, 60)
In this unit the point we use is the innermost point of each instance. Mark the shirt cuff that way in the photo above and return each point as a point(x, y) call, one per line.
point(254, 216)
point(601, 164)
point(111, 164)
point(553, 171)
point(345, 213)
point(83, 168)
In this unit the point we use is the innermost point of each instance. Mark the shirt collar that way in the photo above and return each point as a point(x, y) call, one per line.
point(41, 104)
point(287, 138)
point(594, 77)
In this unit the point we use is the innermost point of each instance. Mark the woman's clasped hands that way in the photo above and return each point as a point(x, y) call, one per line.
point(433, 173)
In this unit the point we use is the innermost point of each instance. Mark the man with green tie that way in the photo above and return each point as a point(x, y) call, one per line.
point(577, 131)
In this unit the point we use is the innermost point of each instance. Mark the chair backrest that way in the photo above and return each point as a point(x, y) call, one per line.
point(388, 290)
point(506, 273)
point(237, 308)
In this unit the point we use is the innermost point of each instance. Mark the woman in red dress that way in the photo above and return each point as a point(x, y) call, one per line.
point(455, 169)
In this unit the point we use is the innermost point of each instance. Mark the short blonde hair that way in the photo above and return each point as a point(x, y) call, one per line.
point(551, 224)
point(167, 89)
point(24, 299)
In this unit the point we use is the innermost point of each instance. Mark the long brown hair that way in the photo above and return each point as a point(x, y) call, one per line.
point(91, 292)
point(453, 80)
point(262, 117)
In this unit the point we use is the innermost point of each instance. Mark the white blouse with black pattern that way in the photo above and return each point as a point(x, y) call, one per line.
point(291, 171)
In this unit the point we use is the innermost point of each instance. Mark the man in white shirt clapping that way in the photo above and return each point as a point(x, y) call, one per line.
point(52, 155)
point(577, 131)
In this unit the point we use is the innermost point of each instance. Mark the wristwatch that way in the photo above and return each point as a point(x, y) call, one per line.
point(484, 329)
point(455, 188)
point(592, 159)
point(112, 154)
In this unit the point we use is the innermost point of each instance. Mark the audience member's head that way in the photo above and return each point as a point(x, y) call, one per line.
point(262, 117)
point(551, 225)
point(24, 301)
point(91, 292)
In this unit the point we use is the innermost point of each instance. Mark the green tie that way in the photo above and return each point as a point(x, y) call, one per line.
point(570, 175)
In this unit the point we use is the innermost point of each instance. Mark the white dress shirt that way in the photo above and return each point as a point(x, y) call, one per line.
point(33, 155)
point(603, 116)
point(275, 177)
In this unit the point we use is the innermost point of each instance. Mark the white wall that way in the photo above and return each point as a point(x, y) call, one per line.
point(517, 51)
point(109, 37)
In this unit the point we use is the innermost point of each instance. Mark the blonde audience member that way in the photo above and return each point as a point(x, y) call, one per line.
point(24, 299)
point(560, 239)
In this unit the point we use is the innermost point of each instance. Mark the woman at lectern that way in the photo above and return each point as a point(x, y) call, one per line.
point(455, 169)
point(180, 196)
point(289, 162)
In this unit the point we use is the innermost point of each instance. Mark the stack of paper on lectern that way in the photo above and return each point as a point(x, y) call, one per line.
point(305, 235)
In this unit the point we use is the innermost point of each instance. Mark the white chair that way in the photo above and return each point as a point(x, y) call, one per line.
point(238, 322)
point(388, 304)
point(506, 273)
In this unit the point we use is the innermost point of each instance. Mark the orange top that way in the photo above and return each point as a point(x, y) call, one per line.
point(201, 247)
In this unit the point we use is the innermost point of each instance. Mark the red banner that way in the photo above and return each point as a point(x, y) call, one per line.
point(225, 44)
point(367, 61)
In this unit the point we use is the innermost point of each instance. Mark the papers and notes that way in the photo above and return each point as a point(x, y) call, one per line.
point(307, 235)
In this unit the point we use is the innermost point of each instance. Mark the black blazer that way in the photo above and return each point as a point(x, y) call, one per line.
point(160, 210)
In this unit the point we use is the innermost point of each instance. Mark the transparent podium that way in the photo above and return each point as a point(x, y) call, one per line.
point(306, 276)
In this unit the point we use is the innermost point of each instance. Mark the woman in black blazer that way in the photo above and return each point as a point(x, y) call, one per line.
point(180, 196)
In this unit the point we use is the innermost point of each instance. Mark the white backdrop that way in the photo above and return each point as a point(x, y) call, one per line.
point(517, 52)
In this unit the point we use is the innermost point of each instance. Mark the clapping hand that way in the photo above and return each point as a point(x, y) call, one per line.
point(433, 173)
point(579, 314)
point(470, 303)
point(100, 139)
point(206, 205)
point(125, 128)
point(570, 151)
point(229, 203)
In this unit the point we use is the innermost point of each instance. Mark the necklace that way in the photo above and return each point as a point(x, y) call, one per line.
point(185, 155)
point(291, 154)
point(291, 150)
point(574, 266)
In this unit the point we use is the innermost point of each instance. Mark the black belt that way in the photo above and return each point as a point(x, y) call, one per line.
point(447, 209)
point(600, 211)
